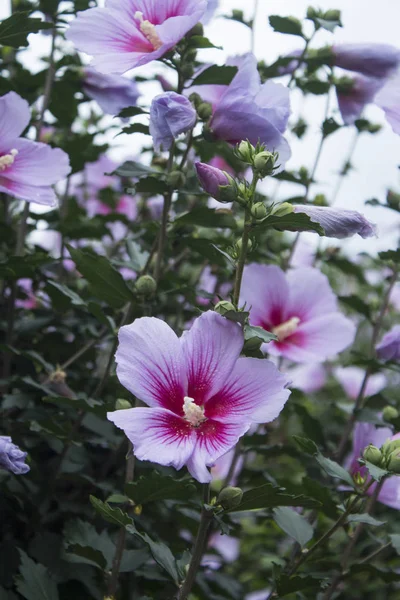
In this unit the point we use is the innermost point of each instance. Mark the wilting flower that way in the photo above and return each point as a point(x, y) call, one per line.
point(170, 115)
point(300, 309)
point(213, 179)
point(247, 110)
point(111, 92)
point(389, 347)
point(202, 397)
point(351, 379)
point(11, 457)
point(372, 60)
point(27, 169)
point(308, 378)
point(127, 34)
point(364, 434)
point(338, 222)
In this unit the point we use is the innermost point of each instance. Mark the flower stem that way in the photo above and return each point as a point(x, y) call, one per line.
point(198, 548)
point(162, 238)
point(241, 260)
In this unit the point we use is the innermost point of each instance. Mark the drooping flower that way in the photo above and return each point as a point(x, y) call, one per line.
point(300, 309)
point(365, 434)
point(389, 346)
point(247, 110)
point(11, 457)
point(170, 115)
point(212, 179)
point(372, 60)
point(338, 222)
point(131, 33)
point(27, 169)
point(351, 379)
point(201, 396)
point(111, 92)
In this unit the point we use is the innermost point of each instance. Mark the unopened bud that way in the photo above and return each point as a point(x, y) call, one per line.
point(195, 99)
point(258, 210)
point(230, 497)
point(354, 504)
point(320, 200)
point(176, 179)
point(245, 151)
point(285, 208)
point(138, 509)
point(223, 307)
point(122, 404)
point(312, 13)
point(204, 110)
point(391, 446)
point(332, 15)
point(390, 413)
point(146, 285)
point(264, 163)
point(373, 455)
point(239, 245)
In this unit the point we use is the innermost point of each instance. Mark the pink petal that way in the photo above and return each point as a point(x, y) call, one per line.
point(14, 118)
point(30, 193)
point(308, 378)
point(157, 435)
point(213, 440)
point(210, 349)
point(38, 164)
point(150, 364)
point(351, 379)
point(255, 392)
point(266, 293)
point(310, 294)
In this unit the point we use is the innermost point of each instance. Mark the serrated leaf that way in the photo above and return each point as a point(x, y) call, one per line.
point(335, 470)
point(199, 41)
point(216, 75)
point(268, 496)
point(207, 217)
point(306, 445)
point(70, 294)
point(79, 535)
point(364, 518)
point(113, 515)
point(289, 25)
point(293, 524)
point(14, 31)
point(34, 581)
point(160, 552)
point(251, 331)
point(159, 487)
point(376, 472)
point(88, 555)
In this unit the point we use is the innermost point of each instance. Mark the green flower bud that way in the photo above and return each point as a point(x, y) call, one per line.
point(358, 505)
point(239, 245)
point(285, 208)
point(332, 15)
point(390, 413)
point(264, 163)
point(373, 455)
point(176, 179)
point(312, 13)
point(258, 210)
point(195, 99)
point(320, 200)
point(390, 446)
point(122, 404)
point(204, 110)
point(245, 151)
point(393, 463)
point(145, 285)
point(252, 344)
point(230, 497)
point(223, 307)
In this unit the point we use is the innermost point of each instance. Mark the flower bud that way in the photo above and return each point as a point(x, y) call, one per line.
point(357, 506)
point(145, 285)
point(332, 15)
point(285, 208)
point(223, 307)
point(195, 99)
point(373, 455)
point(204, 110)
point(217, 183)
point(313, 13)
point(390, 413)
point(121, 404)
point(245, 151)
point(391, 445)
point(239, 245)
point(264, 163)
point(393, 463)
point(258, 210)
point(176, 179)
point(320, 200)
point(230, 497)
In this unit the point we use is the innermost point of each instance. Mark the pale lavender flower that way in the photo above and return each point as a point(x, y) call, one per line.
point(211, 179)
point(111, 92)
point(308, 378)
point(303, 255)
point(259, 595)
point(351, 380)
point(170, 115)
point(388, 99)
point(372, 60)
point(300, 308)
point(11, 457)
point(395, 297)
point(291, 66)
point(127, 34)
point(27, 169)
point(354, 94)
point(338, 222)
point(202, 397)
point(212, 6)
point(389, 346)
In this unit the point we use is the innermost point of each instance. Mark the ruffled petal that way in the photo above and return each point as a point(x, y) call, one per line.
point(266, 293)
point(150, 365)
point(14, 118)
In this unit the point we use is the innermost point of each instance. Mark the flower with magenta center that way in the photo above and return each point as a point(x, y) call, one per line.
point(300, 308)
point(201, 396)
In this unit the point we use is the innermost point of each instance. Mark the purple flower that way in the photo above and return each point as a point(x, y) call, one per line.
point(351, 379)
point(212, 6)
point(308, 378)
point(293, 64)
point(338, 222)
point(389, 347)
point(202, 397)
point(170, 115)
point(388, 99)
point(303, 255)
point(354, 94)
point(27, 169)
point(11, 457)
point(395, 297)
point(300, 308)
point(111, 92)
point(372, 60)
point(209, 283)
point(129, 33)
point(211, 179)
point(365, 434)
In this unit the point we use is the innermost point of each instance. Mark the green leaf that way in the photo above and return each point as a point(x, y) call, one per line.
point(357, 304)
point(387, 576)
point(159, 487)
point(85, 545)
point(151, 185)
point(392, 255)
point(395, 539)
point(207, 217)
point(89, 556)
point(132, 111)
point(106, 283)
point(328, 24)
point(160, 552)
point(293, 524)
point(113, 515)
point(130, 168)
point(34, 581)
point(70, 294)
point(376, 472)
point(322, 494)
point(289, 585)
point(364, 518)
point(216, 75)
point(329, 126)
point(268, 496)
point(289, 25)
point(135, 128)
point(291, 222)
point(14, 31)
point(251, 331)
point(306, 445)
point(335, 470)
point(199, 41)
point(23, 266)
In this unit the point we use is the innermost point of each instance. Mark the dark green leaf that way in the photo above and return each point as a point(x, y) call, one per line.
point(386, 576)
point(392, 255)
point(268, 496)
point(306, 445)
point(160, 552)
point(14, 31)
point(251, 331)
point(112, 515)
point(132, 111)
point(289, 25)
point(207, 217)
point(329, 25)
point(34, 581)
point(376, 472)
point(293, 524)
point(88, 555)
point(216, 75)
point(364, 518)
point(198, 41)
point(290, 222)
point(329, 126)
point(70, 294)
point(288, 585)
point(135, 128)
point(151, 185)
point(395, 539)
point(335, 470)
point(131, 168)
point(357, 304)
point(159, 487)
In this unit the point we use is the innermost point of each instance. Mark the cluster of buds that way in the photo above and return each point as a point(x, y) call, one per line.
point(387, 457)
point(204, 109)
point(258, 158)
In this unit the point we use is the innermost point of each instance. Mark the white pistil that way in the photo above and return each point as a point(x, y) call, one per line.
point(148, 30)
point(8, 159)
point(193, 412)
point(286, 329)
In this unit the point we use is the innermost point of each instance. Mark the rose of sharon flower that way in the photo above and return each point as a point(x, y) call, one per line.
point(389, 347)
point(372, 60)
point(201, 396)
point(365, 434)
point(308, 378)
point(27, 169)
point(11, 457)
point(130, 33)
point(170, 115)
point(112, 93)
point(338, 222)
point(300, 309)
point(351, 379)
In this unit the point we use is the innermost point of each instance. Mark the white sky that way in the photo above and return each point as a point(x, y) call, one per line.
point(377, 156)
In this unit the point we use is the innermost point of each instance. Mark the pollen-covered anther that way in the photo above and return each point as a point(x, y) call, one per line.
point(8, 159)
point(193, 412)
point(286, 329)
point(148, 30)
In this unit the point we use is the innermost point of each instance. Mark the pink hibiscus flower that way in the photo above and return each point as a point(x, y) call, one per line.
point(300, 308)
point(201, 396)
